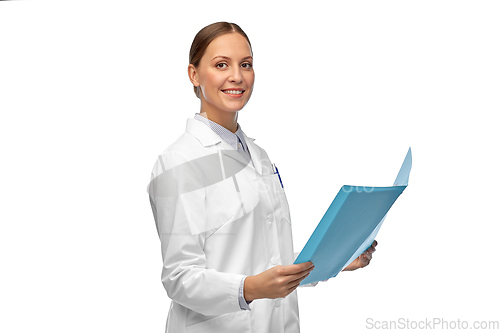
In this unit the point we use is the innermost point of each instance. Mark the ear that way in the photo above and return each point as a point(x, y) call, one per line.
point(193, 75)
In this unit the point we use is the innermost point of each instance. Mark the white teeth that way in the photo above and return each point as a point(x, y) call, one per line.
point(234, 92)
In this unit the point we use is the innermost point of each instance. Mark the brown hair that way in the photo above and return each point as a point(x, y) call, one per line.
point(205, 36)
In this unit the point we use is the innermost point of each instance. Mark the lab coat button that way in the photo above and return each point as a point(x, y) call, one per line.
point(270, 217)
point(277, 303)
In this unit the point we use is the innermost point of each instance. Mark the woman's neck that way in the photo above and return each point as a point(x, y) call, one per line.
point(226, 119)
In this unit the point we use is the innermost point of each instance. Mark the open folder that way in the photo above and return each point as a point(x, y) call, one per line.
point(350, 225)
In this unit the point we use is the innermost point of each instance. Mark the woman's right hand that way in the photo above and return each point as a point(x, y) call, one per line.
point(276, 282)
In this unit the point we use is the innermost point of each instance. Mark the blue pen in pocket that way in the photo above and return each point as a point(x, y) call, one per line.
point(278, 175)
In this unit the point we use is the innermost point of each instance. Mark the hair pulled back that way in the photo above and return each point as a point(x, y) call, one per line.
point(205, 36)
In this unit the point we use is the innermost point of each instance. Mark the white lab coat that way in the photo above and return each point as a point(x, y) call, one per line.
point(220, 219)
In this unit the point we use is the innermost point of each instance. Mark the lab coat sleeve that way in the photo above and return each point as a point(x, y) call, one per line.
point(185, 275)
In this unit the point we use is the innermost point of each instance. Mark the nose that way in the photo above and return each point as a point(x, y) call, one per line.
point(236, 76)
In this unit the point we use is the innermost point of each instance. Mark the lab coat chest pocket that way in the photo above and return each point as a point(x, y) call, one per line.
point(280, 193)
point(276, 192)
point(248, 191)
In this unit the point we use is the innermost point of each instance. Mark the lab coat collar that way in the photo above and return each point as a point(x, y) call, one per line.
point(202, 132)
point(207, 137)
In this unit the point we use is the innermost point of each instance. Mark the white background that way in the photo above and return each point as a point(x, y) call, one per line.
point(92, 91)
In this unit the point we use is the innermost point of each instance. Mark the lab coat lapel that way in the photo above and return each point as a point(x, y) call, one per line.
point(233, 154)
point(202, 132)
point(208, 137)
point(254, 152)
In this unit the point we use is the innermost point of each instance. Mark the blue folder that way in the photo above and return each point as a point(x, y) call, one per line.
point(350, 225)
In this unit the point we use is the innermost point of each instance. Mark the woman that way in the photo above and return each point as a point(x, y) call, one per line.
point(220, 210)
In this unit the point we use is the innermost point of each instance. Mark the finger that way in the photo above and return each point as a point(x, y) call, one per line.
point(374, 243)
point(298, 268)
point(298, 280)
point(300, 276)
point(371, 249)
point(364, 261)
point(294, 286)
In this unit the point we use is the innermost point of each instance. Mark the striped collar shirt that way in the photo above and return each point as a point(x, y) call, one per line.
point(236, 140)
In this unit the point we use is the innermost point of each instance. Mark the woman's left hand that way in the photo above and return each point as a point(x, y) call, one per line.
point(363, 260)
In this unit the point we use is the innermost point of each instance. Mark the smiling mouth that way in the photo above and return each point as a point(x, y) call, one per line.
point(233, 92)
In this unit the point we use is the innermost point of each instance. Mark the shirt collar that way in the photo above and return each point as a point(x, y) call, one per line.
point(224, 133)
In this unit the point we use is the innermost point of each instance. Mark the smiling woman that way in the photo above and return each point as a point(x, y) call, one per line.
point(220, 208)
point(221, 70)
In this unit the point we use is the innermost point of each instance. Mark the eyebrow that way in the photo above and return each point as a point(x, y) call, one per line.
point(227, 58)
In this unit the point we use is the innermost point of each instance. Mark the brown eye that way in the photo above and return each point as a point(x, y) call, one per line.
point(247, 65)
point(221, 65)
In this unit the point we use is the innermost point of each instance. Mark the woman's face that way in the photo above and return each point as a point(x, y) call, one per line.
point(225, 74)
